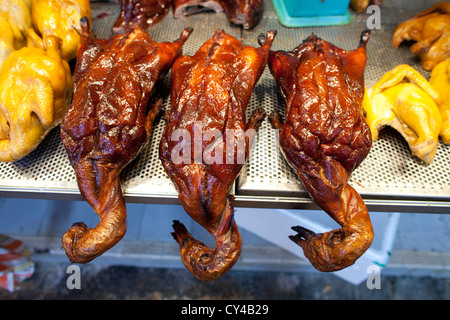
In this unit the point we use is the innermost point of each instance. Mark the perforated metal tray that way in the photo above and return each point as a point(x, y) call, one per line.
point(389, 171)
point(390, 178)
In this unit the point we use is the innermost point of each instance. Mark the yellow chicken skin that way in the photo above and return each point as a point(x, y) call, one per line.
point(17, 13)
point(15, 20)
point(406, 101)
point(440, 80)
point(6, 38)
point(62, 19)
point(35, 92)
point(430, 30)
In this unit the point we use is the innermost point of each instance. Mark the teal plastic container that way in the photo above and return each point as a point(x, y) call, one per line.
point(313, 8)
point(304, 13)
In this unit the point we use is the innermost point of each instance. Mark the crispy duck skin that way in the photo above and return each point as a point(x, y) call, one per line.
point(210, 92)
point(246, 13)
point(324, 138)
point(143, 13)
point(430, 30)
point(187, 7)
point(108, 123)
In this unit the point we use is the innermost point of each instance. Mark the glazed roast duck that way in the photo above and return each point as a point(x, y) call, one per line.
point(108, 123)
point(142, 13)
point(324, 137)
point(209, 96)
point(245, 13)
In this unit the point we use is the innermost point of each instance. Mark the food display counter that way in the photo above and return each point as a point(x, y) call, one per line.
point(389, 179)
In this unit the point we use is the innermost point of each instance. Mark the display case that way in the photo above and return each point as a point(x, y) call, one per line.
point(389, 179)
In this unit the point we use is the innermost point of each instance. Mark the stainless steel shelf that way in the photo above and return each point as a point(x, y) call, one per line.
point(390, 179)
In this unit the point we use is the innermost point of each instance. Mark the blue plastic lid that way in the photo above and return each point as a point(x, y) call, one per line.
point(319, 13)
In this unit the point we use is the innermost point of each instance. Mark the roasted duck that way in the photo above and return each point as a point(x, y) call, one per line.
point(62, 19)
point(187, 7)
point(35, 92)
point(143, 13)
point(440, 80)
point(405, 101)
point(210, 93)
point(430, 29)
point(361, 5)
point(246, 13)
point(108, 123)
point(324, 137)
